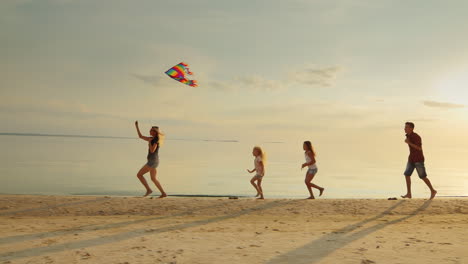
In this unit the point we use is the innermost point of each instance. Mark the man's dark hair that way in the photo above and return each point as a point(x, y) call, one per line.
point(410, 124)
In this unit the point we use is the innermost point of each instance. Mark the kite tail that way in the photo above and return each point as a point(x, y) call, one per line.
point(186, 68)
point(193, 83)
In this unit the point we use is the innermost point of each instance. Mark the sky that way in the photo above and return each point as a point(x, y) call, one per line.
point(338, 72)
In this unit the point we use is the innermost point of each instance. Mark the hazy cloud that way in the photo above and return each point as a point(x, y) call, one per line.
point(315, 76)
point(444, 105)
point(260, 83)
point(310, 76)
point(148, 79)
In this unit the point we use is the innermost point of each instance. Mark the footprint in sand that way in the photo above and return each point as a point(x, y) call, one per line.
point(142, 247)
point(367, 261)
point(83, 254)
point(49, 241)
point(48, 260)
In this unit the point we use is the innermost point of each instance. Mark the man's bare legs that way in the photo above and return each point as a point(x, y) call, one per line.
point(408, 188)
point(142, 179)
point(428, 183)
point(156, 182)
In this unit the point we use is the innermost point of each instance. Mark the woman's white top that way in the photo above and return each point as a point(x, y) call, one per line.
point(308, 159)
point(258, 166)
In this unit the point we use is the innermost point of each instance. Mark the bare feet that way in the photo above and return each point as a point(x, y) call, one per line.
point(433, 194)
point(163, 195)
point(148, 192)
point(311, 197)
point(321, 191)
point(406, 196)
point(258, 194)
point(260, 198)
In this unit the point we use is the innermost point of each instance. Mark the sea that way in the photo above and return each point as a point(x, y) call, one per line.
point(97, 165)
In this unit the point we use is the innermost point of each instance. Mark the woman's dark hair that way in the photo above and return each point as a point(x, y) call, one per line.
point(410, 124)
point(309, 147)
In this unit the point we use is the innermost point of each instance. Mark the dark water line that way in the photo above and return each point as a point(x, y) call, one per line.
point(60, 135)
point(111, 137)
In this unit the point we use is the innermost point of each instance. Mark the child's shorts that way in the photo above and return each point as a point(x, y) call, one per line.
point(258, 177)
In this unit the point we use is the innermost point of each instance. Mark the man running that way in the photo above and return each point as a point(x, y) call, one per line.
point(415, 160)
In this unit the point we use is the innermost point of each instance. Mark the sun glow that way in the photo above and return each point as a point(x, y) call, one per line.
point(453, 88)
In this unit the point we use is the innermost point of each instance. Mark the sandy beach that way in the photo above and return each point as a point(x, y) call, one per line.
point(77, 229)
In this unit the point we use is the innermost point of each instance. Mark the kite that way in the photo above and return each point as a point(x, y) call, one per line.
point(178, 73)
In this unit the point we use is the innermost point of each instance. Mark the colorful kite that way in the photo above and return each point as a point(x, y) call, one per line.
point(178, 73)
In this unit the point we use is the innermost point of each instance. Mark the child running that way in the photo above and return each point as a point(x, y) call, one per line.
point(259, 168)
point(309, 154)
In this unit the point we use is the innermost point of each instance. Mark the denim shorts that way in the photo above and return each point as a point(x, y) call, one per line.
point(419, 166)
point(312, 171)
point(153, 163)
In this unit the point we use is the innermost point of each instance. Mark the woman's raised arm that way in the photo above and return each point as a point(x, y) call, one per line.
point(139, 133)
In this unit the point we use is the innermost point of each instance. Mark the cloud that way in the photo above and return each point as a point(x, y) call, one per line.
point(309, 76)
point(57, 111)
point(423, 119)
point(444, 105)
point(260, 83)
point(148, 79)
point(315, 76)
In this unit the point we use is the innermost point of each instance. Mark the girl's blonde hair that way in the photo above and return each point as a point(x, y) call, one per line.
point(262, 154)
point(309, 147)
point(160, 135)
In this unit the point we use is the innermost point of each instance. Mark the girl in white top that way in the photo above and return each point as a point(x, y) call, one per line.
point(309, 154)
point(259, 168)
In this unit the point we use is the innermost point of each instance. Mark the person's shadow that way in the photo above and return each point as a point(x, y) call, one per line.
point(134, 233)
point(324, 246)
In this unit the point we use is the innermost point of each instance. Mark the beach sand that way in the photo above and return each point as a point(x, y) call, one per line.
point(77, 229)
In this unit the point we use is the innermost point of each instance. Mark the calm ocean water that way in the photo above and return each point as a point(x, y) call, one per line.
point(108, 166)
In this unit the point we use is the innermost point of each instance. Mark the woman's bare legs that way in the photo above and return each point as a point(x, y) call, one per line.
point(142, 179)
point(153, 173)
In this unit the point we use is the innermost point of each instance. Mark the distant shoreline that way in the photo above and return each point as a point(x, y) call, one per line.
point(111, 194)
point(115, 137)
point(109, 137)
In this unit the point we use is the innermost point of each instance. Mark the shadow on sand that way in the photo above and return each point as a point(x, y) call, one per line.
point(98, 227)
point(131, 234)
point(52, 206)
point(324, 246)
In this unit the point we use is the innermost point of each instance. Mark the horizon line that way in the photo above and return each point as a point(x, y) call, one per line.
point(110, 137)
